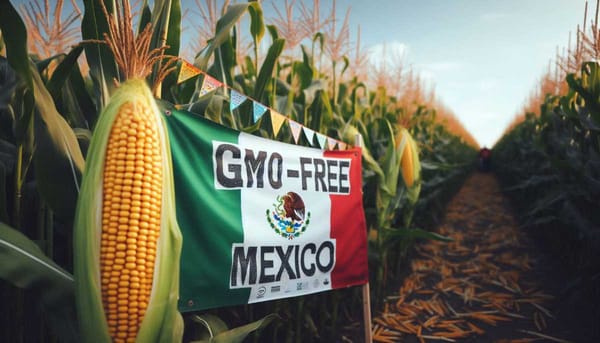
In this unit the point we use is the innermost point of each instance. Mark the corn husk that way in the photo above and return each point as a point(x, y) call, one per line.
point(162, 322)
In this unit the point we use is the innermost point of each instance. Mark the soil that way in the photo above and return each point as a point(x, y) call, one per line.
point(492, 283)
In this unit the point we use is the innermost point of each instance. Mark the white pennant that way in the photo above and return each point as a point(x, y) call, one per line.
point(331, 143)
point(309, 134)
point(321, 140)
point(209, 84)
point(295, 128)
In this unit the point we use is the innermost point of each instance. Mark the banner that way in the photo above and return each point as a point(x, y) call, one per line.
point(260, 219)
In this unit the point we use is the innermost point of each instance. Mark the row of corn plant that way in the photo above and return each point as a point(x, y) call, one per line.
point(549, 165)
point(56, 124)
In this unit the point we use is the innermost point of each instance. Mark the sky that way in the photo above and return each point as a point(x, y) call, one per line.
point(483, 57)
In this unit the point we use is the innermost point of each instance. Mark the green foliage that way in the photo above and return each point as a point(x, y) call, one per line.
point(166, 21)
point(216, 331)
point(25, 265)
point(550, 165)
point(103, 67)
point(51, 110)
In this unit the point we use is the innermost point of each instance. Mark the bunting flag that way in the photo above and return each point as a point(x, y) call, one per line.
point(295, 128)
point(331, 143)
point(309, 134)
point(236, 99)
point(260, 219)
point(259, 110)
point(321, 140)
point(276, 122)
point(209, 84)
point(187, 71)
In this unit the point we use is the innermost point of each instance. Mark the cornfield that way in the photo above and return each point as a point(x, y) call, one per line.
point(548, 162)
point(56, 102)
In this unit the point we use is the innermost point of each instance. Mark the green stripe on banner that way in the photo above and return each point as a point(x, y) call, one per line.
point(191, 139)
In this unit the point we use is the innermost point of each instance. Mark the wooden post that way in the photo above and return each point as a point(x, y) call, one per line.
point(366, 293)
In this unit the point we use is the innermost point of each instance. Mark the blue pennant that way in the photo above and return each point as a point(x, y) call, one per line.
point(235, 99)
point(259, 110)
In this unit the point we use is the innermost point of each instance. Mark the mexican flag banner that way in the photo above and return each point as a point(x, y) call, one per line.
point(261, 219)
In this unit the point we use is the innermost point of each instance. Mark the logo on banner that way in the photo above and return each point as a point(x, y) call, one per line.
point(289, 217)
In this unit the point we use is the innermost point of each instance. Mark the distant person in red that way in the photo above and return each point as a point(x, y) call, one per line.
point(485, 155)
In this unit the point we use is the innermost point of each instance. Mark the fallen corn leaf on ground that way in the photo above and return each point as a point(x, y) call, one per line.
point(482, 287)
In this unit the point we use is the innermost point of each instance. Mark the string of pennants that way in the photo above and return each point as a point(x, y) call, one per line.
point(236, 99)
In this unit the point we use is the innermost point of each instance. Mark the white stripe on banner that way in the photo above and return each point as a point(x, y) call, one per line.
point(293, 265)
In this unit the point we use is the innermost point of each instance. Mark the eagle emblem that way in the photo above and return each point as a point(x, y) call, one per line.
point(289, 217)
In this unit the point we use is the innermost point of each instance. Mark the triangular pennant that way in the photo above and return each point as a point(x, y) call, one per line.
point(276, 121)
point(259, 110)
point(341, 145)
point(187, 71)
point(236, 99)
point(331, 143)
point(295, 128)
point(309, 134)
point(209, 84)
point(321, 140)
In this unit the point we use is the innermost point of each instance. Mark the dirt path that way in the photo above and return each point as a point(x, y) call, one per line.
point(489, 285)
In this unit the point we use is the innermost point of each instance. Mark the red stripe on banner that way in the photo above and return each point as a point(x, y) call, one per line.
point(349, 228)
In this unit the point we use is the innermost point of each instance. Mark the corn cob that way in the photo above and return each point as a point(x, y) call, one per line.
point(130, 218)
point(127, 242)
point(406, 165)
point(409, 160)
point(126, 233)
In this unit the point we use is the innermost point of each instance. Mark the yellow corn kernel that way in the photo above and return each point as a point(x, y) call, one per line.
point(133, 123)
point(126, 226)
point(406, 164)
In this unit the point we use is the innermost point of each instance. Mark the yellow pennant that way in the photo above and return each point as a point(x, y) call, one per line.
point(276, 121)
point(187, 71)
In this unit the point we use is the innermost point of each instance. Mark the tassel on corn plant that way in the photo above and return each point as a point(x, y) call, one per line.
point(127, 242)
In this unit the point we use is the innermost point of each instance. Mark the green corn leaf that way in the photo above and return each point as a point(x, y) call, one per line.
point(311, 91)
point(4, 172)
point(82, 100)
point(266, 70)
point(103, 68)
point(224, 26)
point(166, 22)
point(62, 72)
point(349, 133)
point(42, 65)
point(8, 84)
point(14, 34)
point(238, 334)
point(257, 24)
point(25, 266)
point(84, 136)
point(145, 17)
point(415, 233)
point(68, 96)
point(15, 37)
point(57, 159)
point(213, 325)
point(392, 158)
